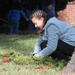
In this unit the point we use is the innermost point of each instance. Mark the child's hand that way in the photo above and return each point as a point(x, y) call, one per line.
point(37, 58)
point(36, 55)
point(27, 19)
point(50, 6)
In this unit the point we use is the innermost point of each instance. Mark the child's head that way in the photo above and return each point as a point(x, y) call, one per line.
point(38, 17)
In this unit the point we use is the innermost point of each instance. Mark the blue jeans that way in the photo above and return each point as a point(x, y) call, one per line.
point(53, 11)
point(14, 27)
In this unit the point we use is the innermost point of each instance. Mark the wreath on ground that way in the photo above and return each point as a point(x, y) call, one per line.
point(21, 59)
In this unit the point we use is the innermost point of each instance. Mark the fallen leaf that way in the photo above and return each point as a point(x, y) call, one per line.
point(5, 55)
point(6, 60)
point(42, 67)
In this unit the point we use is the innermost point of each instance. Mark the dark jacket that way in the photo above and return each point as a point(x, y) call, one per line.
point(31, 4)
point(47, 2)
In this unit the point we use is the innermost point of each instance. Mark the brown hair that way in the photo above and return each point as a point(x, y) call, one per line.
point(38, 14)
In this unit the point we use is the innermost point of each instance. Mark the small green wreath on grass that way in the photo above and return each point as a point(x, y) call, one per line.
point(19, 58)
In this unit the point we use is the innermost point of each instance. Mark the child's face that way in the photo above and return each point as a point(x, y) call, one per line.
point(39, 23)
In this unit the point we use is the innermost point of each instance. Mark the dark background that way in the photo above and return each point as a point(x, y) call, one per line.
point(5, 6)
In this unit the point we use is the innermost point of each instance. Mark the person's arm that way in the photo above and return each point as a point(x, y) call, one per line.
point(53, 36)
point(24, 15)
point(37, 48)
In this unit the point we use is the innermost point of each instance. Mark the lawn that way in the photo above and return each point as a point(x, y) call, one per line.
point(24, 44)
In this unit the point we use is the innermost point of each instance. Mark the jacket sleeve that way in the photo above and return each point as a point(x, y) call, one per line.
point(37, 48)
point(53, 36)
point(23, 14)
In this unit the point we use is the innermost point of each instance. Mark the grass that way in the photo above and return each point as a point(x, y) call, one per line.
point(23, 44)
point(20, 43)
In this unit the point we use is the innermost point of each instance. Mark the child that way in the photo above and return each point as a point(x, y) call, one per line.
point(57, 38)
